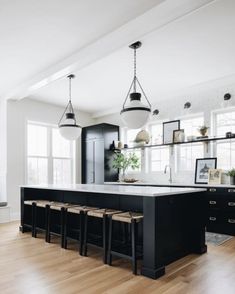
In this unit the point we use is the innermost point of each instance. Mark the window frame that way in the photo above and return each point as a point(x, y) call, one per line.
point(49, 156)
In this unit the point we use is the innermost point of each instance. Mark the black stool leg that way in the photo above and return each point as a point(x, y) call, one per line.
point(48, 224)
point(105, 239)
point(34, 219)
point(62, 213)
point(110, 241)
point(133, 246)
point(65, 228)
point(81, 233)
point(85, 234)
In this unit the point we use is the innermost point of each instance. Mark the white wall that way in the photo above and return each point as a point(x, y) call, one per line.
point(202, 101)
point(18, 112)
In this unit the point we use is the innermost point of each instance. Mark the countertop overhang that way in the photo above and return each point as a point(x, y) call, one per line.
point(119, 189)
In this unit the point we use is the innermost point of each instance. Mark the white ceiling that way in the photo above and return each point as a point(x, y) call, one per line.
point(36, 34)
point(186, 53)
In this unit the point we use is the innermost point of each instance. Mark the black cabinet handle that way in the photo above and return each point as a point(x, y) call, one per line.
point(212, 218)
point(212, 202)
point(212, 190)
point(231, 190)
point(231, 221)
point(231, 203)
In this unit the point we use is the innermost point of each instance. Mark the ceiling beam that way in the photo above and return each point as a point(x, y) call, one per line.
point(163, 13)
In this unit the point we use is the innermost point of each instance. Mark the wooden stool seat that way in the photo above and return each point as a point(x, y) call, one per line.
point(100, 213)
point(42, 203)
point(78, 209)
point(128, 217)
point(60, 205)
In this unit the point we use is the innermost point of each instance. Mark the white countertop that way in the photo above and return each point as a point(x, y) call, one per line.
point(139, 183)
point(119, 189)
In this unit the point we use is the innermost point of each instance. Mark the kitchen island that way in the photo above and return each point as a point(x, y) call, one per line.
point(174, 218)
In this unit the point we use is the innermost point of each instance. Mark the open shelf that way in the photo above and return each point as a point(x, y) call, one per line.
point(204, 140)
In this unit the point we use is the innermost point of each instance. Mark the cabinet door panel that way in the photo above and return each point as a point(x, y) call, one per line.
point(98, 161)
point(89, 162)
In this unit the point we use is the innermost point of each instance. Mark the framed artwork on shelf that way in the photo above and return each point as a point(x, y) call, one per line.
point(168, 130)
point(178, 136)
point(214, 177)
point(203, 165)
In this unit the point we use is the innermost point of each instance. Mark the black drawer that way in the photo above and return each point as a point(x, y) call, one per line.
point(220, 222)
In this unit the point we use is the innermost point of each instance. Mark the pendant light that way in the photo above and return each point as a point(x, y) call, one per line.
point(135, 114)
point(227, 100)
point(68, 127)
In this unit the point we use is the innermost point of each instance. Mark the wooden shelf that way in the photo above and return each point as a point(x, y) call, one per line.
point(206, 140)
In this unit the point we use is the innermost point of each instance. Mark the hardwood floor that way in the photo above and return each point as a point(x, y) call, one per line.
point(29, 265)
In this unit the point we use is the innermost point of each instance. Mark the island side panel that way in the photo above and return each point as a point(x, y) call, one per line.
point(151, 267)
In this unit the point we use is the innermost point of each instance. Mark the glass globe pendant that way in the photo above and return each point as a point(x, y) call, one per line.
point(68, 127)
point(135, 114)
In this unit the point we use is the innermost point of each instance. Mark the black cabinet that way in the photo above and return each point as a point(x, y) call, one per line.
point(97, 155)
point(221, 210)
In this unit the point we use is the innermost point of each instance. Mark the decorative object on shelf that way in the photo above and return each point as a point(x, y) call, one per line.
point(142, 136)
point(231, 174)
point(202, 169)
point(230, 135)
point(68, 127)
point(125, 145)
point(132, 180)
point(136, 114)
point(123, 161)
point(178, 136)
point(227, 100)
point(203, 130)
point(168, 128)
point(120, 145)
point(214, 177)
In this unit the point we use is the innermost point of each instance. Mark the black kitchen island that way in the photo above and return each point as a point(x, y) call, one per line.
point(174, 218)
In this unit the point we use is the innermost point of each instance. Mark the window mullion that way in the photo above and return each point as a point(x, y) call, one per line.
point(49, 154)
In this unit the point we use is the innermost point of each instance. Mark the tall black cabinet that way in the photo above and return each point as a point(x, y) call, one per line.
point(97, 153)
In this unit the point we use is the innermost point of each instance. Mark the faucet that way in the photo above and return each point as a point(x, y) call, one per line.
point(165, 170)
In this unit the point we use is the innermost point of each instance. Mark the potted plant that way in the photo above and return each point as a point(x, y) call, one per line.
point(231, 174)
point(123, 161)
point(203, 130)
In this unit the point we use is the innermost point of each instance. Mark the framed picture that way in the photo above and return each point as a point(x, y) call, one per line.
point(202, 169)
point(178, 136)
point(214, 176)
point(168, 128)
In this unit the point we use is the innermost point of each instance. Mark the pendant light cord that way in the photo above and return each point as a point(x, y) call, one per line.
point(134, 86)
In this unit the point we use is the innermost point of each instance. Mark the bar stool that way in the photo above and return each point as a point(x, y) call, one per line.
point(61, 207)
point(44, 204)
point(132, 218)
point(31, 203)
point(103, 214)
point(80, 211)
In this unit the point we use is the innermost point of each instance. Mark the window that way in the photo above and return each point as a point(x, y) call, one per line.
point(187, 154)
point(50, 158)
point(129, 136)
point(158, 157)
point(225, 150)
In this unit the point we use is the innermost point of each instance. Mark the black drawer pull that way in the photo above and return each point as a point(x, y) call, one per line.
point(212, 218)
point(231, 203)
point(231, 221)
point(212, 202)
point(231, 190)
point(212, 190)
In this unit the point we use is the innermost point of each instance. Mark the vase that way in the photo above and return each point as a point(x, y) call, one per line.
point(232, 180)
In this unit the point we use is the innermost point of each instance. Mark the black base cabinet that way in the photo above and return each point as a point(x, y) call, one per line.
point(97, 154)
point(221, 210)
